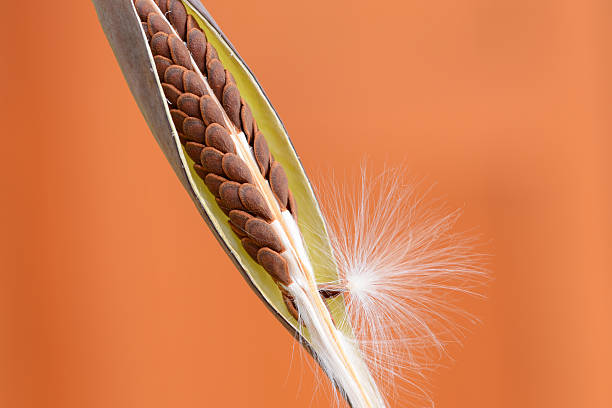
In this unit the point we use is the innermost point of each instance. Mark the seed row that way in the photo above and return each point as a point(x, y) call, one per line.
point(207, 135)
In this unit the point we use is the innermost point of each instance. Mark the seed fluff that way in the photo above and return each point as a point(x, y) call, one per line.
point(403, 272)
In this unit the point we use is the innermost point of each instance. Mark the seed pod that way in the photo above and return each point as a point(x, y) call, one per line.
point(232, 101)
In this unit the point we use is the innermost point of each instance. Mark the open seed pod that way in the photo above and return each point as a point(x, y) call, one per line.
point(232, 154)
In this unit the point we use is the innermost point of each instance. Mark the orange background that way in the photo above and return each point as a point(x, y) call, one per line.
point(113, 283)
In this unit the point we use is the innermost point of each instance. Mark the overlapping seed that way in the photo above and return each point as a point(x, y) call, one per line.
point(206, 121)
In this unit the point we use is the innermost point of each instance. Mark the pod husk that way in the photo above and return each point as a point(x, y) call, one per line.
point(123, 30)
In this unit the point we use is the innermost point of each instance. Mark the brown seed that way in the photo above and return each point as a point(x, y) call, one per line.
point(213, 182)
point(240, 218)
point(211, 113)
point(145, 29)
point(161, 64)
point(174, 76)
point(144, 7)
point(219, 138)
point(279, 184)
point(162, 5)
point(211, 160)
point(159, 45)
point(246, 119)
point(292, 205)
point(191, 23)
point(171, 93)
point(231, 103)
point(177, 16)
point(200, 171)
point(211, 53)
point(263, 234)
point(178, 117)
point(194, 150)
point(194, 129)
point(254, 202)
point(236, 169)
point(229, 78)
point(327, 293)
point(193, 83)
point(157, 23)
point(179, 51)
point(216, 77)
point(196, 42)
point(237, 231)
point(190, 104)
point(250, 247)
point(274, 264)
point(228, 192)
point(261, 153)
point(222, 206)
point(291, 307)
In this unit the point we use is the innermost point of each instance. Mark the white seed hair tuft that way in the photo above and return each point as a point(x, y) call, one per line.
point(403, 271)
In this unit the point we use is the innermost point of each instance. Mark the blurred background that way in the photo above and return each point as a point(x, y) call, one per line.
point(113, 292)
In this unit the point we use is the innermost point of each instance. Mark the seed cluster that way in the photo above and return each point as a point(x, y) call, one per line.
point(206, 121)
